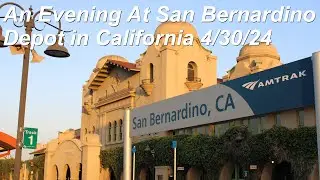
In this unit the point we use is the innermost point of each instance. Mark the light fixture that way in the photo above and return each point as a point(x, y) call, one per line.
point(36, 58)
point(2, 38)
point(17, 49)
point(57, 50)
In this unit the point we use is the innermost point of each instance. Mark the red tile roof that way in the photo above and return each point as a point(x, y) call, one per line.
point(39, 151)
point(7, 142)
point(125, 65)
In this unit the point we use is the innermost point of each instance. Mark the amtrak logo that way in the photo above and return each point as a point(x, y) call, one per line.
point(252, 85)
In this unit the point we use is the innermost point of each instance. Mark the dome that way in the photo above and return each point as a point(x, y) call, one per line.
point(259, 50)
point(104, 59)
point(175, 27)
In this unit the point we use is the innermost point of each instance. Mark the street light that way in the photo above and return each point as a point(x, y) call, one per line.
point(55, 50)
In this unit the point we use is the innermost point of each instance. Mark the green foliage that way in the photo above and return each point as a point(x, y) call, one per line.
point(209, 153)
point(36, 165)
point(113, 159)
point(6, 167)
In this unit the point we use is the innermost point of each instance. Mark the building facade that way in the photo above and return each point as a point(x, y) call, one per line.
point(160, 73)
point(166, 71)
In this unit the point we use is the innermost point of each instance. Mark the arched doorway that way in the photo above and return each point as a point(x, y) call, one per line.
point(282, 171)
point(145, 174)
point(68, 173)
point(196, 174)
point(56, 172)
point(112, 175)
point(238, 173)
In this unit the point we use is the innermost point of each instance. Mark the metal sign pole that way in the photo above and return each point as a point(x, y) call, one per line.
point(175, 164)
point(127, 147)
point(316, 79)
point(133, 162)
point(174, 146)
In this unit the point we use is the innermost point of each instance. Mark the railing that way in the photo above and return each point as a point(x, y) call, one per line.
point(193, 79)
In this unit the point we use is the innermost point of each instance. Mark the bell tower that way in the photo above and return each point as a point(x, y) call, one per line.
point(175, 69)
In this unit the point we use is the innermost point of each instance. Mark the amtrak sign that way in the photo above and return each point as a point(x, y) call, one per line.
point(251, 85)
point(281, 88)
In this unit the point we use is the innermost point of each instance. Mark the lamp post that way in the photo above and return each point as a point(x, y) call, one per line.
point(55, 50)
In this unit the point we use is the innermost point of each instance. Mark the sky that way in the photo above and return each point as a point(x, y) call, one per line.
point(54, 86)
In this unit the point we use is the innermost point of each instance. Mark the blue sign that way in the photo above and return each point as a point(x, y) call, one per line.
point(174, 144)
point(134, 149)
point(285, 87)
point(281, 88)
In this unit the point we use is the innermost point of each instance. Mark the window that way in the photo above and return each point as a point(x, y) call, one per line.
point(232, 124)
point(109, 139)
point(181, 131)
point(300, 117)
point(115, 131)
point(121, 129)
point(192, 71)
point(263, 120)
point(194, 130)
point(255, 125)
point(85, 131)
point(220, 129)
point(278, 119)
point(202, 130)
point(174, 132)
point(93, 130)
point(90, 92)
point(188, 131)
point(106, 135)
point(151, 72)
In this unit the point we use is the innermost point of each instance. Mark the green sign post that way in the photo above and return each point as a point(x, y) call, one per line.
point(30, 138)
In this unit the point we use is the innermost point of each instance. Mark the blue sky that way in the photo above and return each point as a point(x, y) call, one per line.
point(54, 91)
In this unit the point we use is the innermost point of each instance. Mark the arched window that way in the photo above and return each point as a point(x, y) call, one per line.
point(121, 129)
point(109, 138)
point(115, 131)
point(151, 72)
point(93, 130)
point(85, 131)
point(80, 172)
point(192, 71)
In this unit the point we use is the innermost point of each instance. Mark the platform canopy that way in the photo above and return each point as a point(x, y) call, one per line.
point(7, 143)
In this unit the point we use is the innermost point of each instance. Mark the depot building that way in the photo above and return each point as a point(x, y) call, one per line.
point(163, 72)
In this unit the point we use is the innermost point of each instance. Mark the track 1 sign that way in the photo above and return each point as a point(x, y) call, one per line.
point(30, 138)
